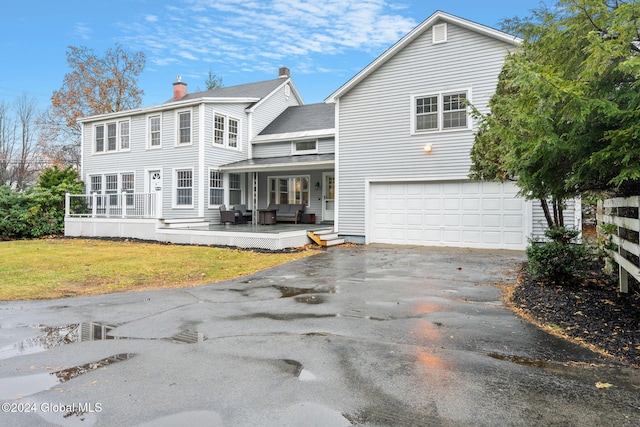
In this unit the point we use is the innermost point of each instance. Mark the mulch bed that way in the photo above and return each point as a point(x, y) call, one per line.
point(591, 311)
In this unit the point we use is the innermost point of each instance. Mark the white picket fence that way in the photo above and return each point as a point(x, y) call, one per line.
point(612, 211)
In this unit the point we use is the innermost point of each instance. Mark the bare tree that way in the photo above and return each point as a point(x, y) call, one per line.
point(26, 161)
point(7, 144)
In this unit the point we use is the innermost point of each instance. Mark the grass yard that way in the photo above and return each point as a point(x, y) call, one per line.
point(56, 268)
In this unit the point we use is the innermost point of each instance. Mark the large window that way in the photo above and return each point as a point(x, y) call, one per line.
point(441, 112)
point(235, 189)
point(184, 127)
point(184, 187)
point(216, 188)
point(107, 135)
point(226, 131)
point(154, 132)
point(289, 189)
point(113, 185)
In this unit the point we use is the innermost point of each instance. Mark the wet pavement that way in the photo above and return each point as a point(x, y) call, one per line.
point(365, 335)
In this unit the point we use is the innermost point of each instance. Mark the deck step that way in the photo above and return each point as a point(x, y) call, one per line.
point(183, 222)
point(325, 237)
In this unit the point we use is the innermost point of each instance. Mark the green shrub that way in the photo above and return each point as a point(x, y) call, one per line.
point(38, 211)
point(558, 260)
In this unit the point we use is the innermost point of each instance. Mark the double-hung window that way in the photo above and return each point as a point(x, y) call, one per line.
point(226, 131)
point(216, 188)
point(111, 137)
point(184, 187)
point(184, 127)
point(99, 143)
point(235, 189)
point(124, 135)
point(437, 112)
point(154, 129)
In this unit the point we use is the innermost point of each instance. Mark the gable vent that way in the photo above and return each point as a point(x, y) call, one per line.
point(439, 33)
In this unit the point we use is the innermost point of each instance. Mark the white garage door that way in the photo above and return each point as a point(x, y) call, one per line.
point(460, 214)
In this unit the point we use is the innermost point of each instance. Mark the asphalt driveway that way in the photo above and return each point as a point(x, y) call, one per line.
point(365, 335)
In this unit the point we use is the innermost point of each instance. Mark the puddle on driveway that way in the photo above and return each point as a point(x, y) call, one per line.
point(288, 292)
point(52, 337)
point(26, 385)
point(297, 370)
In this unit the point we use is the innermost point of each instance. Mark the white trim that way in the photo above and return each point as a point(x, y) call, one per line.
point(410, 37)
point(292, 136)
point(225, 136)
point(270, 177)
point(279, 167)
point(295, 151)
point(440, 94)
point(336, 167)
point(167, 107)
point(177, 113)
point(174, 188)
point(201, 160)
point(147, 128)
point(439, 33)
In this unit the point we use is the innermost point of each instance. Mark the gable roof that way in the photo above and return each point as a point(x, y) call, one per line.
point(248, 90)
point(252, 93)
point(302, 118)
point(438, 16)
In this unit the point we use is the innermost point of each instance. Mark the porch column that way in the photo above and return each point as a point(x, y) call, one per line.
point(254, 195)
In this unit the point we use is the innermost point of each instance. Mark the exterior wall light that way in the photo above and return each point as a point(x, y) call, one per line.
point(427, 148)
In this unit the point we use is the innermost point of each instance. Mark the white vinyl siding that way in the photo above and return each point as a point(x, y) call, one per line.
point(383, 144)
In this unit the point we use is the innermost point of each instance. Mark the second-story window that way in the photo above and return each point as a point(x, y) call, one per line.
point(218, 129)
point(111, 137)
point(184, 127)
point(154, 132)
point(124, 135)
point(226, 131)
point(99, 143)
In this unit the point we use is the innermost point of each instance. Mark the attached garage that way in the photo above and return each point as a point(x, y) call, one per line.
point(453, 213)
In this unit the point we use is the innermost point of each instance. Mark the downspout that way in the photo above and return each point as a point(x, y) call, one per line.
point(201, 151)
point(336, 169)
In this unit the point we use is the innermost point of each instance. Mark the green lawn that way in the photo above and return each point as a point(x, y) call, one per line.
point(55, 268)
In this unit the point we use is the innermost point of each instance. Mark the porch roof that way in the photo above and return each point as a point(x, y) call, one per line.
point(284, 163)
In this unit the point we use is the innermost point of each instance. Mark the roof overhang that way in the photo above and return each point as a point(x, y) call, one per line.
point(295, 136)
point(168, 106)
point(283, 164)
point(414, 34)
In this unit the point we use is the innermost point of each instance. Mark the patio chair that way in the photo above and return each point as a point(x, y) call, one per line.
point(246, 214)
point(232, 216)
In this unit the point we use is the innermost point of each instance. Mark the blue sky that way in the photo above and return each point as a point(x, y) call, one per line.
point(324, 43)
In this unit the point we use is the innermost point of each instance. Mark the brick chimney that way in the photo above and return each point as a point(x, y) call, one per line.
point(179, 89)
point(284, 73)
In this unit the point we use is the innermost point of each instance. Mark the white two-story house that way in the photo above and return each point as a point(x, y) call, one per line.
point(385, 159)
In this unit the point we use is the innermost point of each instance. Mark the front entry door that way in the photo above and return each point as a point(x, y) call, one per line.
point(155, 187)
point(328, 196)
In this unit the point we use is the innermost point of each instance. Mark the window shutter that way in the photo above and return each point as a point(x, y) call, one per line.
point(439, 33)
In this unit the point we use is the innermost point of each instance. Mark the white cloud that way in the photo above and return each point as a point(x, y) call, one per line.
point(256, 35)
point(82, 30)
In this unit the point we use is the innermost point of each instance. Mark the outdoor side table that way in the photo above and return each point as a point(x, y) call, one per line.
point(266, 216)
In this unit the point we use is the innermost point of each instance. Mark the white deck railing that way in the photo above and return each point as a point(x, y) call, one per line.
point(624, 214)
point(123, 205)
